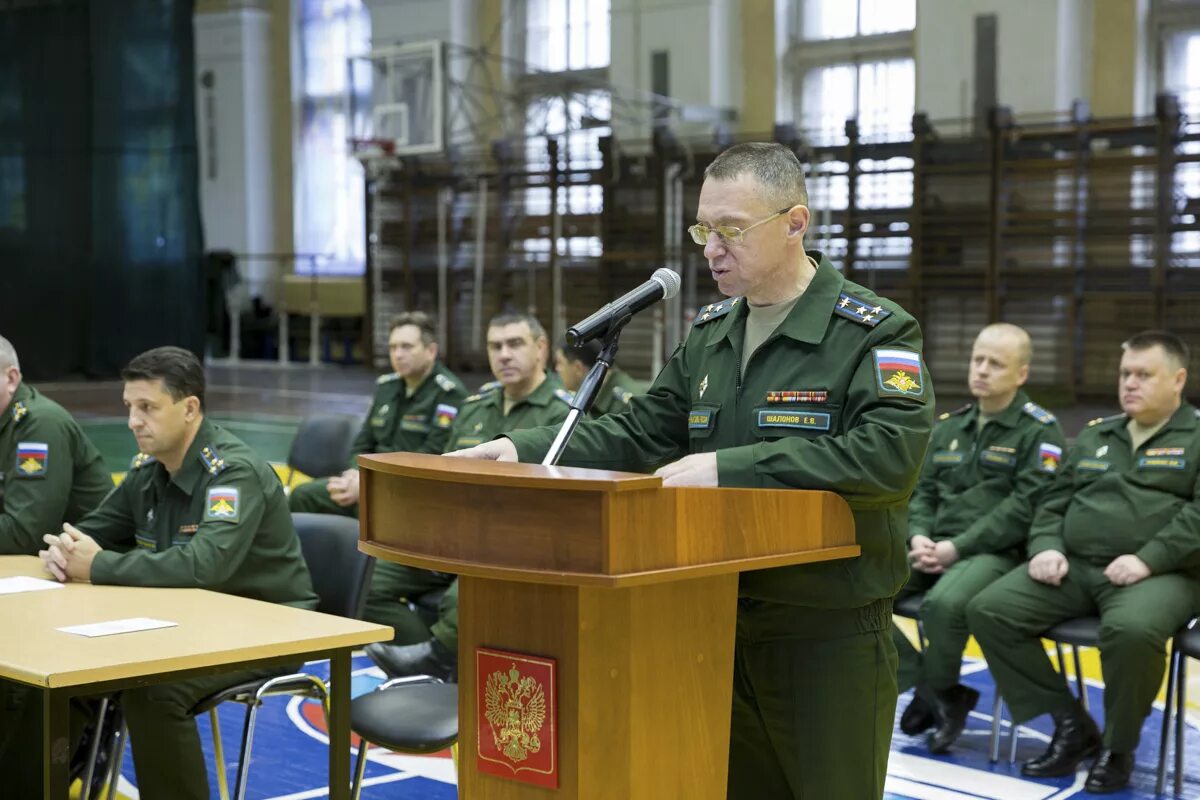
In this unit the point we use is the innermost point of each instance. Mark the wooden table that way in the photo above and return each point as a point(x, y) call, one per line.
point(215, 633)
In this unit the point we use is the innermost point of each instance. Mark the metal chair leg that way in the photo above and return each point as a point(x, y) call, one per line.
point(360, 768)
point(994, 740)
point(219, 754)
point(243, 773)
point(1164, 740)
point(1080, 685)
point(1180, 719)
point(85, 791)
point(1014, 734)
point(920, 636)
point(116, 759)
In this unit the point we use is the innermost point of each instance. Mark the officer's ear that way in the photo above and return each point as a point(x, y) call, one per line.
point(798, 218)
point(191, 407)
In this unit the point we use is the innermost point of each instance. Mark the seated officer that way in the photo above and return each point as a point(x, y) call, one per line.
point(525, 397)
point(986, 465)
point(573, 363)
point(1116, 535)
point(49, 472)
point(198, 509)
point(413, 409)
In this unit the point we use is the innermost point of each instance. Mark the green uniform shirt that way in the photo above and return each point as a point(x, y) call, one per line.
point(417, 424)
point(482, 417)
point(1110, 500)
point(979, 488)
point(616, 393)
point(220, 523)
point(50, 472)
point(836, 398)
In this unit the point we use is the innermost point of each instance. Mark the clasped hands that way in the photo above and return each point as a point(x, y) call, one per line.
point(68, 555)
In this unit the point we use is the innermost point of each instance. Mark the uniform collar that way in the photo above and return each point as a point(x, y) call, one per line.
point(1008, 418)
point(1184, 419)
point(540, 396)
point(809, 318)
point(192, 469)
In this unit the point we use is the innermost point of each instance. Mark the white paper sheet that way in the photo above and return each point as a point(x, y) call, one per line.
point(24, 583)
point(130, 625)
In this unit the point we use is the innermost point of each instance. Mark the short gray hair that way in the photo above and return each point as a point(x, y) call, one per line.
point(8, 355)
point(773, 166)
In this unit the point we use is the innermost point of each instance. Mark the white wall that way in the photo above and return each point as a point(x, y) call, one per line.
point(1043, 54)
point(395, 21)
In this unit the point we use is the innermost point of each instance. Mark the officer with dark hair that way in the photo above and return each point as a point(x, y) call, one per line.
point(573, 362)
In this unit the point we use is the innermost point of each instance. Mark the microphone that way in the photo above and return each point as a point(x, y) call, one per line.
point(663, 285)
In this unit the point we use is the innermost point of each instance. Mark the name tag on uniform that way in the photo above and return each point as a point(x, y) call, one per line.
point(947, 457)
point(467, 441)
point(702, 419)
point(998, 459)
point(414, 422)
point(1092, 465)
point(807, 420)
point(1161, 462)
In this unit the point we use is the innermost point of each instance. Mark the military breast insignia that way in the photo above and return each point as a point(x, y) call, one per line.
point(798, 396)
point(861, 311)
point(703, 386)
point(33, 459)
point(1164, 451)
point(517, 717)
point(19, 410)
point(899, 372)
point(214, 464)
point(414, 423)
point(444, 415)
point(222, 504)
point(1102, 451)
point(141, 460)
point(1037, 412)
point(1049, 457)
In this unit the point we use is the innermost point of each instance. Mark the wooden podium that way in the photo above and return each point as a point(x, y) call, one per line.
point(630, 587)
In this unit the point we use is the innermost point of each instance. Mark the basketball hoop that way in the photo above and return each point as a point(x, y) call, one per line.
point(370, 149)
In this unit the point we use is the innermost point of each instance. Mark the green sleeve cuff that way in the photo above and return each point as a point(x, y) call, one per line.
point(966, 545)
point(1046, 542)
point(103, 564)
point(736, 467)
point(1156, 557)
point(531, 447)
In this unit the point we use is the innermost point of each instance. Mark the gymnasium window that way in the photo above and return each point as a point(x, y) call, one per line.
point(853, 59)
point(1177, 24)
point(330, 215)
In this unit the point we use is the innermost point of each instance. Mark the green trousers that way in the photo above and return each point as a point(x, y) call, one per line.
point(1136, 621)
point(167, 756)
point(313, 497)
point(814, 702)
point(394, 585)
point(944, 619)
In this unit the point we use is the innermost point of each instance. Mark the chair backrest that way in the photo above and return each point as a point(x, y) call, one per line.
point(341, 574)
point(322, 445)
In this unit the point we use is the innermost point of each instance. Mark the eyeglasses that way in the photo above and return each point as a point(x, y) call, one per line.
point(728, 234)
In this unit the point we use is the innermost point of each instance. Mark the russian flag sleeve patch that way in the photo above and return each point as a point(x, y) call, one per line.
point(899, 373)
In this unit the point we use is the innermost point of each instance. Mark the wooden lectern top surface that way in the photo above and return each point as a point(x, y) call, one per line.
point(507, 473)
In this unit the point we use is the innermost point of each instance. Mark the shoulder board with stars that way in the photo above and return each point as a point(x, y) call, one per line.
point(388, 378)
point(859, 310)
point(564, 395)
point(141, 460)
point(1102, 420)
point(622, 395)
point(19, 411)
point(214, 464)
point(1198, 413)
point(445, 383)
point(956, 412)
point(714, 310)
point(1037, 412)
point(490, 386)
point(475, 398)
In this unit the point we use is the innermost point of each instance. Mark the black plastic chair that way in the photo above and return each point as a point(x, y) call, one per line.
point(341, 576)
point(417, 715)
point(1185, 645)
point(322, 446)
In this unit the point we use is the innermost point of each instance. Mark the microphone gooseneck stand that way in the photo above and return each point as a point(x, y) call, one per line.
point(586, 396)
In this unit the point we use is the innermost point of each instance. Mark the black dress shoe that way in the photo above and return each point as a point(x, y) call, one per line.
point(917, 717)
point(953, 705)
point(1110, 773)
point(426, 658)
point(1076, 737)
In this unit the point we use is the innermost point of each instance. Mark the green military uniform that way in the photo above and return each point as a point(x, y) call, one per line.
point(397, 422)
point(50, 473)
point(1108, 500)
point(836, 398)
point(978, 489)
point(220, 523)
point(481, 419)
point(615, 394)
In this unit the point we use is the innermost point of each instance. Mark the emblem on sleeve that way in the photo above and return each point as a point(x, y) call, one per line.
point(222, 504)
point(899, 373)
point(1049, 457)
point(33, 458)
point(444, 415)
